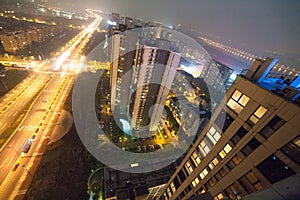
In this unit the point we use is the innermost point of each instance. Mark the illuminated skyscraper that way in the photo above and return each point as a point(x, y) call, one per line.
point(122, 62)
point(251, 143)
point(141, 78)
point(155, 70)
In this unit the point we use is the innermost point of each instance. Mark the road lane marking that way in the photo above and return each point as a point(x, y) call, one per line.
point(3, 162)
point(10, 162)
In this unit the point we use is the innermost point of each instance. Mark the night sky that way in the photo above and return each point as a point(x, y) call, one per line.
point(251, 25)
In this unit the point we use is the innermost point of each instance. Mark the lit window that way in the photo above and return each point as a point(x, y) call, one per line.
point(260, 112)
point(236, 95)
point(203, 174)
point(237, 101)
point(225, 151)
point(165, 196)
point(257, 115)
point(227, 148)
point(204, 148)
point(195, 182)
point(196, 158)
point(169, 192)
point(219, 196)
point(213, 135)
point(222, 154)
point(189, 167)
point(172, 187)
point(213, 163)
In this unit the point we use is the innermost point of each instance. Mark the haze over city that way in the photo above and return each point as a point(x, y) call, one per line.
point(269, 27)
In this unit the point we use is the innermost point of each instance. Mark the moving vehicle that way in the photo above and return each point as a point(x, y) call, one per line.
point(26, 146)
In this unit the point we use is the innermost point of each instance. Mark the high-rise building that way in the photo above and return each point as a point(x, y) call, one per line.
point(155, 70)
point(122, 62)
point(251, 143)
point(141, 79)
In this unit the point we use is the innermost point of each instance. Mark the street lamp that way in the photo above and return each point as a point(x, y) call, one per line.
point(27, 170)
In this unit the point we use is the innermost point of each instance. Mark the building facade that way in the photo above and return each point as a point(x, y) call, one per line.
point(155, 71)
point(141, 75)
point(251, 142)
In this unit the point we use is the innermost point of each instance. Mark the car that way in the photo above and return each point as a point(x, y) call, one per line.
point(125, 148)
point(139, 148)
point(26, 146)
point(158, 146)
point(150, 147)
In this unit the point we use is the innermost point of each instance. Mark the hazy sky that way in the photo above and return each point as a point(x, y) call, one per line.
point(272, 25)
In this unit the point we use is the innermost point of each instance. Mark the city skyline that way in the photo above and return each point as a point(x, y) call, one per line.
point(149, 100)
point(255, 26)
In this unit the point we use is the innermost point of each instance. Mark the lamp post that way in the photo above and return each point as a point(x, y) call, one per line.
point(27, 170)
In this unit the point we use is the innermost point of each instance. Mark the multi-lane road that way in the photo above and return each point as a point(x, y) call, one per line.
point(51, 82)
point(15, 101)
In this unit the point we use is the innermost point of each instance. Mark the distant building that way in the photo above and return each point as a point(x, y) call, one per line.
point(187, 120)
point(251, 142)
point(217, 75)
point(129, 22)
point(115, 17)
point(155, 63)
point(148, 62)
point(122, 63)
point(14, 41)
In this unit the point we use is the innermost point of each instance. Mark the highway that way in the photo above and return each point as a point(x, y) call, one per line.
point(56, 77)
point(15, 101)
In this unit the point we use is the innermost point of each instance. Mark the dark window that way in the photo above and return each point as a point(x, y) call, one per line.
point(292, 150)
point(187, 189)
point(212, 181)
point(209, 184)
point(235, 191)
point(221, 173)
point(275, 123)
point(250, 146)
point(274, 169)
point(181, 195)
point(251, 183)
point(239, 135)
point(181, 176)
point(234, 161)
point(224, 120)
point(176, 182)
